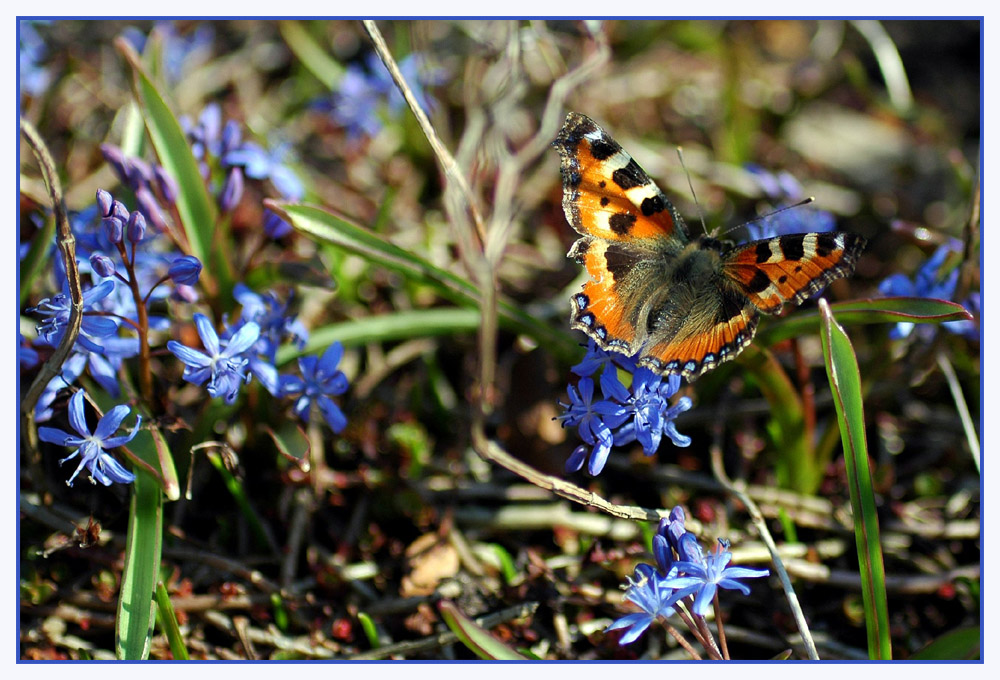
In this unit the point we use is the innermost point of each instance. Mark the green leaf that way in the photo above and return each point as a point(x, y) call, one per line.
point(292, 443)
point(371, 632)
point(322, 225)
point(475, 637)
point(956, 645)
point(868, 311)
point(134, 624)
point(507, 566)
point(311, 53)
point(194, 205)
point(416, 323)
point(37, 259)
point(845, 383)
point(168, 623)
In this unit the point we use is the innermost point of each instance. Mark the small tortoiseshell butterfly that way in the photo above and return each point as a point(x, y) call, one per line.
point(682, 306)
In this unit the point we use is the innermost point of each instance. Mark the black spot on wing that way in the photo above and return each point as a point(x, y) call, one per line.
point(825, 244)
point(651, 206)
point(759, 282)
point(621, 223)
point(604, 148)
point(630, 176)
point(604, 201)
point(791, 247)
point(763, 251)
point(618, 262)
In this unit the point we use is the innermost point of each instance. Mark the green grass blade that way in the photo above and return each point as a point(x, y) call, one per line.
point(845, 383)
point(869, 311)
point(38, 257)
point(168, 623)
point(134, 624)
point(415, 323)
point(955, 645)
point(194, 205)
point(474, 636)
point(322, 225)
point(312, 55)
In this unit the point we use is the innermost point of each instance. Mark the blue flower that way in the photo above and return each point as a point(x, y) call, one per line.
point(27, 356)
point(274, 226)
point(361, 90)
point(705, 574)
point(588, 416)
point(320, 380)
point(179, 52)
point(784, 188)
point(641, 413)
point(647, 590)
point(261, 164)
point(931, 281)
point(92, 328)
point(650, 411)
point(185, 270)
point(34, 78)
point(93, 448)
point(224, 368)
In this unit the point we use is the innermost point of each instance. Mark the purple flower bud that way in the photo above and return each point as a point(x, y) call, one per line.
point(274, 226)
point(184, 293)
point(166, 184)
point(139, 173)
point(119, 210)
point(102, 265)
point(185, 270)
point(116, 159)
point(149, 206)
point(231, 136)
point(113, 228)
point(232, 191)
point(136, 227)
point(105, 202)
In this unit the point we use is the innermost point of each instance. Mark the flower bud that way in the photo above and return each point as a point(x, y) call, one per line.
point(139, 173)
point(185, 270)
point(166, 184)
point(116, 159)
point(150, 208)
point(275, 227)
point(105, 201)
point(230, 137)
point(136, 227)
point(102, 265)
point(232, 191)
point(113, 228)
point(119, 210)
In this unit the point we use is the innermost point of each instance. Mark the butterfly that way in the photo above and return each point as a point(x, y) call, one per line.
point(681, 306)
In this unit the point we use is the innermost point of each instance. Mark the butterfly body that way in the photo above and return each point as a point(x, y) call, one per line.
point(681, 305)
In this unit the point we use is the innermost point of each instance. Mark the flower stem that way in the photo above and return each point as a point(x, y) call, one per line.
point(720, 627)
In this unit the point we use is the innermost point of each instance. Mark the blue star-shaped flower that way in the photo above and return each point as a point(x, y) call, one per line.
point(224, 368)
point(705, 574)
point(320, 380)
point(647, 589)
point(92, 448)
point(651, 414)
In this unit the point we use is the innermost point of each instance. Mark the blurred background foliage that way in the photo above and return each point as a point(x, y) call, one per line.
point(879, 121)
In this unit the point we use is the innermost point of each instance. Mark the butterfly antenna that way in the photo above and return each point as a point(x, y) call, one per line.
point(701, 214)
point(804, 201)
